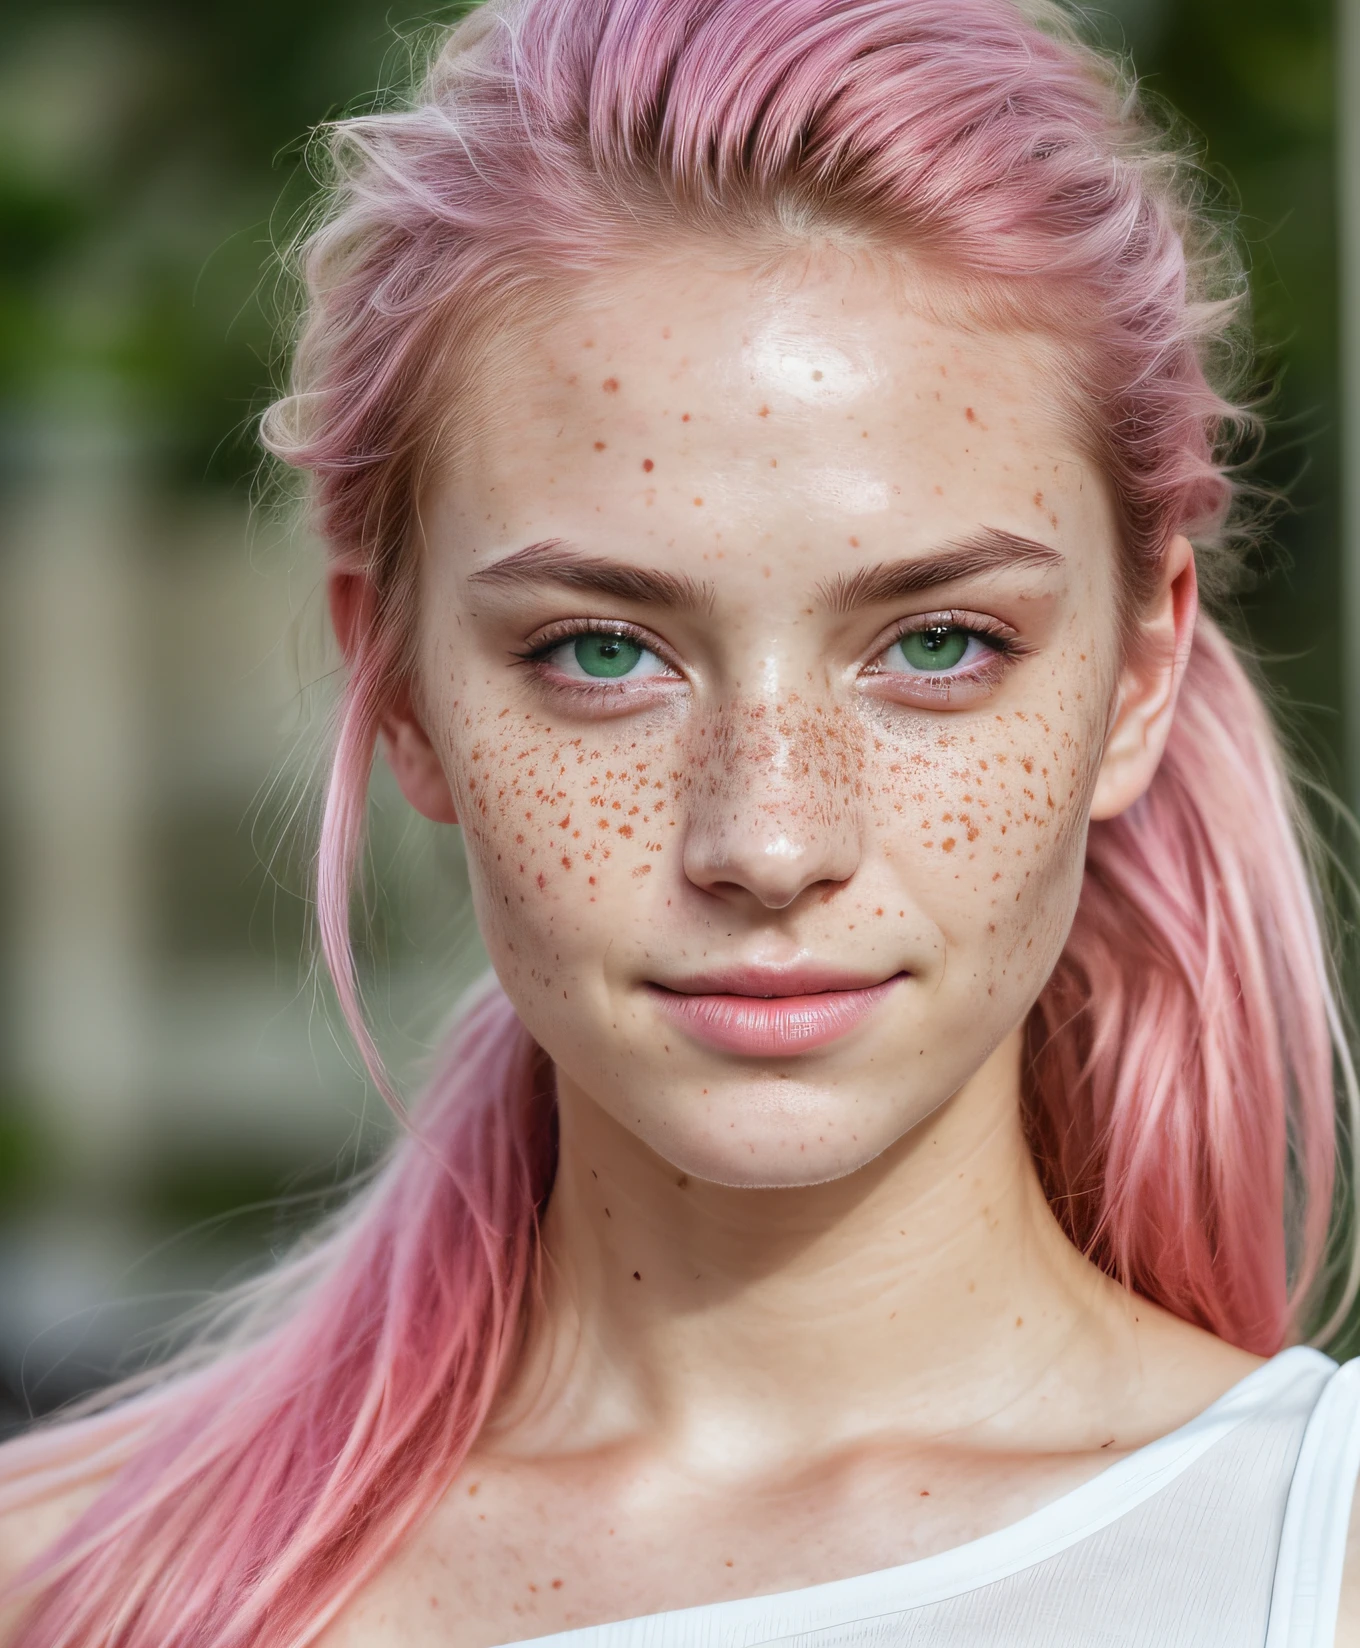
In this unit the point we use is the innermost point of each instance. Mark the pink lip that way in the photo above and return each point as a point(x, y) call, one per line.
point(764, 1014)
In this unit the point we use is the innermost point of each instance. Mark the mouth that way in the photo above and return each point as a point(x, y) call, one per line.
point(768, 1013)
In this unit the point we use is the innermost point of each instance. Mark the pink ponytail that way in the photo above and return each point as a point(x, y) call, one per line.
point(1180, 1079)
point(259, 1491)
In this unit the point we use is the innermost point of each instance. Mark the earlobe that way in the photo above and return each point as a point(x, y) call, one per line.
point(406, 746)
point(1149, 688)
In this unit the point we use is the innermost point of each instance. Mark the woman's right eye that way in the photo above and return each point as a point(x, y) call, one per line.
point(602, 655)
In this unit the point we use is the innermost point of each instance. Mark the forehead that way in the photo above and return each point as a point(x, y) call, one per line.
point(703, 406)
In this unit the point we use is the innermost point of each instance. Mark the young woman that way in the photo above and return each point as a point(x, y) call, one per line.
point(760, 445)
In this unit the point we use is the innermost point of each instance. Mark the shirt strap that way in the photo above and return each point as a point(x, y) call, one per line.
point(1307, 1589)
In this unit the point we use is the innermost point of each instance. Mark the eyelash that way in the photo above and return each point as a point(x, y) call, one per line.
point(1005, 647)
point(1004, 643)
point(535, 658)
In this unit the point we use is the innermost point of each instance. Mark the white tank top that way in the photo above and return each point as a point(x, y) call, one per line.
point(1228, 1533)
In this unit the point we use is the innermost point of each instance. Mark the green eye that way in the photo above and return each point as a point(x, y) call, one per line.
point(935, 648)
point(606, 657)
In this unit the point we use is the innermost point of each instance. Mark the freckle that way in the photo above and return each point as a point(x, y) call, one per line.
point(698, 503)
point(599, 446)
point(947, 845)
point(939, 492)
point(648, 465)
point(854, 543)
point(766, 571)
point(730, 1563)
point(970, 414)
point(610, 386)
point(1019, 1321)
point(764, 411)
point(472, 1489)
point(774, 463)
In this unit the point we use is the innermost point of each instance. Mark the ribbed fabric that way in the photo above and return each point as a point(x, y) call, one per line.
point(1228, 1533)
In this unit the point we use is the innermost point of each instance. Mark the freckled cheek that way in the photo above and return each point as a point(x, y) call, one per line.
point(986, 831)
point(565, 834)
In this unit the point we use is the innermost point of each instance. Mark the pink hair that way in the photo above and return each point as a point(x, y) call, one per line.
point(1179, 1088)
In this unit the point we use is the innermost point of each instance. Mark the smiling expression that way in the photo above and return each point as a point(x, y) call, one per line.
point(767, 643)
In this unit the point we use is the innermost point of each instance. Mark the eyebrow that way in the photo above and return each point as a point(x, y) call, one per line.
point(555, 562)
point(989, 550)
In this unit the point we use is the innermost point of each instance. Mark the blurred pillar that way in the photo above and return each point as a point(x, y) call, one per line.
point(1348, 220)
point(78, 778)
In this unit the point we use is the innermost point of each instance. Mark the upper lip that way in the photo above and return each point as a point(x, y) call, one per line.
point(804, 979)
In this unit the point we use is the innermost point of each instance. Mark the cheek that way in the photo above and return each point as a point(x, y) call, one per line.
point(988, 824)
point(566, 835)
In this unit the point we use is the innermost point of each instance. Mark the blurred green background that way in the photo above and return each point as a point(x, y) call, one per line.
point(173, 1100)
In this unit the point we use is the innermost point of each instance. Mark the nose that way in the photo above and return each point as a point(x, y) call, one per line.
point(774, 805)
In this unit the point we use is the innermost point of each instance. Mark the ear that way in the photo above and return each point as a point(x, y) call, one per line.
point(1149, 687)
point(409, 753)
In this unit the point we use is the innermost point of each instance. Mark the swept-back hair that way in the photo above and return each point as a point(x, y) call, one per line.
point(1179, 1084)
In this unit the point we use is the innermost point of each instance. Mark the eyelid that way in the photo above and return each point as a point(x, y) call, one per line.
point(553, 635)
point(976, 623)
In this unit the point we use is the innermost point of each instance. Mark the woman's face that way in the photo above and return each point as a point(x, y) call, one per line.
point(767, 648)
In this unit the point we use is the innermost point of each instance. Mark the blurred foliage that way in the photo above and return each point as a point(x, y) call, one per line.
point(1255, 80)
point(151, 153)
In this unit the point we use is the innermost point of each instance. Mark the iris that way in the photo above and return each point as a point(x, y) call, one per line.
point(607, 656)
point(934, 649)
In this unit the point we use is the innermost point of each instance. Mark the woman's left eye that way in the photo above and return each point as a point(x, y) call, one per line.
point(603, 655)
point(936, 650)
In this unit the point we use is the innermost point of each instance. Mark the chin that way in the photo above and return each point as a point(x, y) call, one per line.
point(781, 1135)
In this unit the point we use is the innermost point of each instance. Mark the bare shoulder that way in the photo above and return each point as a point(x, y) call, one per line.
point(1180, 1369)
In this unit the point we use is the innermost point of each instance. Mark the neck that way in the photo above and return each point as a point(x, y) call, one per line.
point(933, 1282)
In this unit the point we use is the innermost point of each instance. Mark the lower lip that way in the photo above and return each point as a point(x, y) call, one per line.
point(771, 1026)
